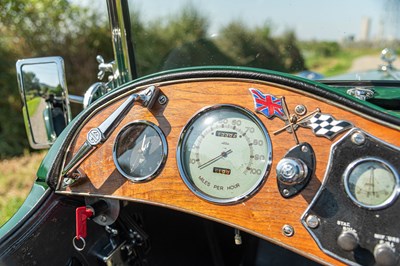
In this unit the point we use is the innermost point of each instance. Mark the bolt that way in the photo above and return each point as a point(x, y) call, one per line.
point(358, 138)
point(285, 192)
point(300, 109)
point(162, 99)
point(304, 148)
point(103, 218)
point(288, 230)
point(312, 221)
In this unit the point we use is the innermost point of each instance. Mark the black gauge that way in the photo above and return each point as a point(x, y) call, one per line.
point(140, 151)
point(224, 154)
point(371, 183)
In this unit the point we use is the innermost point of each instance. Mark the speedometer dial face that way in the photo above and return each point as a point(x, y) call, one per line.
point(224, 154)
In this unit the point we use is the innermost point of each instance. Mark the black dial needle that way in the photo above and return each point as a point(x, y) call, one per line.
point(372, 179)
point(223, 154)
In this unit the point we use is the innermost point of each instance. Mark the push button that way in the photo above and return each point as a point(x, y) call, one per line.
point(348, 240)
point(385, 255)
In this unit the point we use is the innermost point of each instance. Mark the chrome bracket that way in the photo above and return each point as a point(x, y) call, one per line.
point(98, 135)
point(95, 91)
point(361, 93)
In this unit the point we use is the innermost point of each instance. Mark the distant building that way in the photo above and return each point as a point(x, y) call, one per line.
point(365, 29)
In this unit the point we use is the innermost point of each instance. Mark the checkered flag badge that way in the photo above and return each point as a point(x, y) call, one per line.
point(325, 125)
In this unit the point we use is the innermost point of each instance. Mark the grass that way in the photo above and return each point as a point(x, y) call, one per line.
point(16, 179)
point(338, 62)
point(33, 105)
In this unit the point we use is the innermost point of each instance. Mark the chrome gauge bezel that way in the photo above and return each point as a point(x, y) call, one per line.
point(389, 201)
point(164, 154)
point(188, 180)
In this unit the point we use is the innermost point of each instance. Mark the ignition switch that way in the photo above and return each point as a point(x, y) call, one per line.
point(291, 171)
point(295, 170)
point(82, 214)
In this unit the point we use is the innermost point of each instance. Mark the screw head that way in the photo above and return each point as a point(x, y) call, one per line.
point(304, 148)
point(300, 109)
point(358, 138)
point(162, 99)
point(285, 192)
point(103, 218)
point(312, 221)
point(288, 230)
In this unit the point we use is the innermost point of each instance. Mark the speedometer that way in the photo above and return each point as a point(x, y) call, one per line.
point(224, 154)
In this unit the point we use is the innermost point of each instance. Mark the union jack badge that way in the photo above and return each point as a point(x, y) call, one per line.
point(325, 125)
point(268, 104)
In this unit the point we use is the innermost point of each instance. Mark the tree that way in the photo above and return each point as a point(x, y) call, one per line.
point(35, 28)
point(156, 41)
point(256, 47)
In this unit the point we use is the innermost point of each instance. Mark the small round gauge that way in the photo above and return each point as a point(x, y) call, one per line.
point(371, 183)
point(140, 151)
point(224, 154)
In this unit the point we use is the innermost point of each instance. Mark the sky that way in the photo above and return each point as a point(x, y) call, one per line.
point(311, 19)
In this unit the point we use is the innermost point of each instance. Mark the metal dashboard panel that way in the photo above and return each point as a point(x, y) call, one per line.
point(338, 214)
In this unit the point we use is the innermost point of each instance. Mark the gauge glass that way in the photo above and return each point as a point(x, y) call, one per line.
point(140, 151)
point(224, 154)
point(371, 183)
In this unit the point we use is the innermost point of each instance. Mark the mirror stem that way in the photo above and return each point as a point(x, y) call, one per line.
point(75, 99)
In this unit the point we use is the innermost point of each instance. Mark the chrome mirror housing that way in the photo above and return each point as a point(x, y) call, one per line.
point(44, 94)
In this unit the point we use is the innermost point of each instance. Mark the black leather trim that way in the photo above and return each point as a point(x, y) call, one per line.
point(316, 89)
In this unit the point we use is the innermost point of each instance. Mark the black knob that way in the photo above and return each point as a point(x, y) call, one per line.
point(385, 255)
point(348, 240)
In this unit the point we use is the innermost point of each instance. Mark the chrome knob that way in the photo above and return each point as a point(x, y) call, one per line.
point(291, 171)
point(348, 240)
point(388, 55)
point(385, 255)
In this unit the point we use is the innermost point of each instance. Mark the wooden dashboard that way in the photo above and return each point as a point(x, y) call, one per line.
point(267, 211)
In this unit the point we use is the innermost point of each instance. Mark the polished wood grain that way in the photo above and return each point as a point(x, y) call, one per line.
point(264, 214)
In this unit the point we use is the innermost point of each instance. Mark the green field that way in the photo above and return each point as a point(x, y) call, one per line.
point(33, 105)
point(16, 179)
point(330, 59)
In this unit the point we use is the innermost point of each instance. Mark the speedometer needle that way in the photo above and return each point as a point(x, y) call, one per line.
point(223, 154)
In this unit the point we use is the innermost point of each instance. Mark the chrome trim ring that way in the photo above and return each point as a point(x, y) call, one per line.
point(188, 179)
point(394, 193)
point(161, 161)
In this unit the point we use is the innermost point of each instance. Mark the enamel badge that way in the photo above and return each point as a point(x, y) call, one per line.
point(268, 104)
point(324, 125)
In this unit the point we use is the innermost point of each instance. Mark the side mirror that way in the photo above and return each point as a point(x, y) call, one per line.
point(44, 94)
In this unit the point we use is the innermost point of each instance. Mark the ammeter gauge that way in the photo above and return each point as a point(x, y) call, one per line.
point(371, 183)
point(224, 154)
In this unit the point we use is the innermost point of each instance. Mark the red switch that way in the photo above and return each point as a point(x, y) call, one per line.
point(82, 214)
